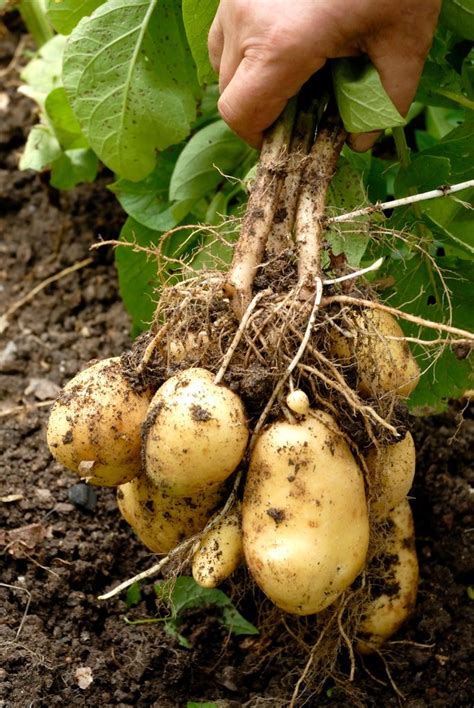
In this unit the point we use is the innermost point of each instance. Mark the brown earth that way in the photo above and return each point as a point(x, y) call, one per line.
point(58, 557)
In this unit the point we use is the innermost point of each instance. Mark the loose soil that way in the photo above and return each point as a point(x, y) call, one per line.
point(59, 556)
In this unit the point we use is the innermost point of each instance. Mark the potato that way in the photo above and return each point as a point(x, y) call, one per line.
point(94, 426)
point(162, 521)
point(394, 592)
point(393, 467)
point(220, 551)
point(304, 514)
point(383, 365)
point(195, 434)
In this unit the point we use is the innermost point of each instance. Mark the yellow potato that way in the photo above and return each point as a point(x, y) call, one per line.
point(393, 468)
point(220, 551)
point(383, 365)
point(94, 426)
point(398, 581)
point(304, 514)
point(195, 434)
point(162, 521)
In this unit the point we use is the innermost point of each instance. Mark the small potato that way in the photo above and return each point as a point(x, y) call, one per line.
point(195, 433)
point(161, 521)
point(395, 588)
point(220, 551)
point(383, 365)
point(298, 402)
point(393, 468)
point(304, 514)
point(94, 426)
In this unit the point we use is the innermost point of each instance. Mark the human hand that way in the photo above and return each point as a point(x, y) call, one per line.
point(265, 50)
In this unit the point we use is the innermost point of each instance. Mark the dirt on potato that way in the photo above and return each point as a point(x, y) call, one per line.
point(59, 555)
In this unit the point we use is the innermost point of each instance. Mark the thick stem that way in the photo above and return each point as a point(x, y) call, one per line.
point(281, 234)
point(317, 175)
point(33, 13)
point(260, 212)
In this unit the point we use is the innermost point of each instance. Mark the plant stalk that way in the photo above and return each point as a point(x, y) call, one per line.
point(260, 212)
point(316, 178)
point(33, 13)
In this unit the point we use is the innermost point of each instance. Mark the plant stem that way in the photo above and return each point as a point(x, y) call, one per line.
point(315, 181)
point(33, 13)
point(260, 212)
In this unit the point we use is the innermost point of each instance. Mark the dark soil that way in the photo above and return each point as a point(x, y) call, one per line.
point(58, 556)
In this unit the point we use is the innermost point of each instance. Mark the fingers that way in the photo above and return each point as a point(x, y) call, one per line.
point(215, 44)
point(258, 91)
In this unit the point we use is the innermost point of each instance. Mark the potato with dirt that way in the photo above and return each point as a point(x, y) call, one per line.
point(304, 514)
point(160, 520)
point(392, 470)
point(195, 434)
point(94, 426)
point(220, 550)
point(395, 582)
point(380, 353)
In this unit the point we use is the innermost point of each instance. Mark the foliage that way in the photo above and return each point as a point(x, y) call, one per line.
point(185, 594)
point(128, 83)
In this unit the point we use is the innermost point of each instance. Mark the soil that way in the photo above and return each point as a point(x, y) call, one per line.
point(59, 554)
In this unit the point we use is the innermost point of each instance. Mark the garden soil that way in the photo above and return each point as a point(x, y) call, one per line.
point(60, 646)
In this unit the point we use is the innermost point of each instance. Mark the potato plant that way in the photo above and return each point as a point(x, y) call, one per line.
point(287, 336)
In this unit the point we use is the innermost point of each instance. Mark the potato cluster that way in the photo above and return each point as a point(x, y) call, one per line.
point(303, 526)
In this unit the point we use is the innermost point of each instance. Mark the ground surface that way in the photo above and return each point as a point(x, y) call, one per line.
point(50, 621)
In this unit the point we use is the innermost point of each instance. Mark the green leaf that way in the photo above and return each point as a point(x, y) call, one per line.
point(63, 121)
point(41, 150)
point(193, 704)
point(147, 201)
point(458, 147)
point(423, 173)
point(43, 73)
point(346, 193)
point(440, 85)
point(185, 594)
point(73, 167)
point(198, 16)
point(137, 273)
point(131, 82)
point(134, 595)
point(362, 101)
point(65, 14)
point(458, 16)
point(214, 151)
point(414, 292)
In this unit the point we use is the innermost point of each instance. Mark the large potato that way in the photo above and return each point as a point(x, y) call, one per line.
point(304, 515)
point(94, 426)
point(220, 551)
point(393, 469)
point(383, 365)
point(195, 434)
point(394, 588)
point(160, 520)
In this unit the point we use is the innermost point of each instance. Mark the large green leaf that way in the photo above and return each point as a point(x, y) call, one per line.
point(147, 201)
point(63, 121)
point(73, 167)
point(65, 14)
point(458, 147)
point(137, 273)
point(212, 153)
point(458, 16)
point(346, 193)
point(362, 101)
point(41, 149)
point(43, 73)
point(198, 16)
point(445, 376)
point(424, 172)
point(131, 82)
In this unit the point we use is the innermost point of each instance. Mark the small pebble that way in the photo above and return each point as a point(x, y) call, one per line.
point(83, 496)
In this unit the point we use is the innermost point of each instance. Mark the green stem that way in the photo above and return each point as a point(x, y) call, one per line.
point(34, 16)
point(403, 153)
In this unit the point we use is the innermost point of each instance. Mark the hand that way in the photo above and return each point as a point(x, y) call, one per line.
point(265, 50)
